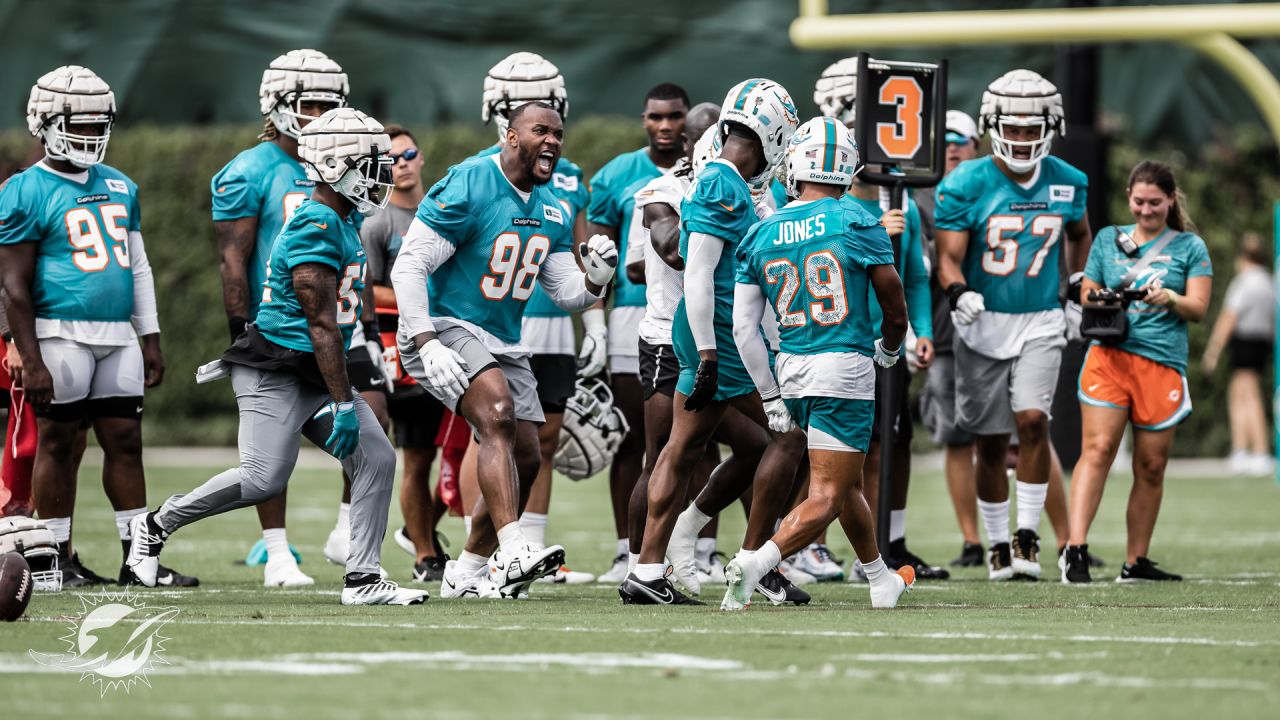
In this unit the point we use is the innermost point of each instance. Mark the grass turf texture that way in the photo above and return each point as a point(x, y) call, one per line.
point(964, 648)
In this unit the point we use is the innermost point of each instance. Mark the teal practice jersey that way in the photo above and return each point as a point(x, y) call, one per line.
point(82, 235)
point(719, 204)
point(1015, 233)
point(915, 281)
point(570, 188)
point(811, 259)
point(262, 182)
point(500, 241)
point(314, 234)
point(613, 202)
point(1155, 332)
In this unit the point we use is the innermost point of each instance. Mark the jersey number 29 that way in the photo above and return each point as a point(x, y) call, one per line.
point(823, 280)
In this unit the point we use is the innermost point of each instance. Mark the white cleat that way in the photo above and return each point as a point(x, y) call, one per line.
point(682, 557)
point(513, 574)
point(616, 573)
point(885, 596)
point(338, 547)
point(144, 550)
point(856, 574)
point(456, 585)
point(285, 574)
point(711, 573)
point(817, 560)
point(565, 576)
point(404, 542)
point(796, 575)
point(382, 592)
point(741, 577)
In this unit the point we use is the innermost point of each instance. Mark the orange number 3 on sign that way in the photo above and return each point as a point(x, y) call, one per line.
point(902, 139)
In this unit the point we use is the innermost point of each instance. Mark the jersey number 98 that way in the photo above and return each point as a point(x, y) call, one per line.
point(513, 272)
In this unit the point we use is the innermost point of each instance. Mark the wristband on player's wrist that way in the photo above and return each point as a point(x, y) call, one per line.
point(8, 336)
point(236, 325)
point(954, 291)
point(371, 332)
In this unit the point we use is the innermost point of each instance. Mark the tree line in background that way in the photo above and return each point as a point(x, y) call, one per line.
point(1231, 187)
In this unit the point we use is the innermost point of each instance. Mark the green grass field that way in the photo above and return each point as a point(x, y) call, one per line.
point(957, 649)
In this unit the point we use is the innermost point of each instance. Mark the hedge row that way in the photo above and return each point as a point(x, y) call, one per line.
point(1229, 192)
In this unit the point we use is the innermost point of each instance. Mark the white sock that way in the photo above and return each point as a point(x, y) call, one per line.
point(60, 527)
point(469, 563)
point(277, 545)
point(624, 547)
point(633, 559)
point(648, 572)
point(703, 549)
point(995, 517)
point(534, 527)
point(511, 539)
point(344, 517)
point(122, 520)
point(876, 571)
point(693, 517)
point(897, 524)
point(1030, 503)
point(768, 556)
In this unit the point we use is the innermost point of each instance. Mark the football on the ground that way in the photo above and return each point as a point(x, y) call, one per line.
point(15, 586)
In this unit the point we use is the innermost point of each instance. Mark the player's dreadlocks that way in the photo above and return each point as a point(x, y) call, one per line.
point(269, 130)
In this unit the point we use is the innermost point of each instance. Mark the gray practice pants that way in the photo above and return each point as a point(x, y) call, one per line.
point(275, 412)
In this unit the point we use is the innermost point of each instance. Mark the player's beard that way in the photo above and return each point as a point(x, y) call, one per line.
point(529, 159)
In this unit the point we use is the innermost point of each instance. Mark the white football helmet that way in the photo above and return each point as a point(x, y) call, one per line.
point(35, 542)
point(350, 152)
point(706, 149)
point(837, 89)
point(822, 151)
point(520, 78)
point(1024, 99)
point(765, 108)
point(296, 77)
point(593, 431)
point(71, 94)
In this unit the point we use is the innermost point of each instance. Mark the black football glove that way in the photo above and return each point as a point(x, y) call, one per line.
point(236, 325)
point(705, 384)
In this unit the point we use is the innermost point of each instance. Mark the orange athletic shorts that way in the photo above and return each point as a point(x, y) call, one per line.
point(1155, 395)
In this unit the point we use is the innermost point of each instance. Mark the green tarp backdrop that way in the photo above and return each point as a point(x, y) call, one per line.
point(421, 61)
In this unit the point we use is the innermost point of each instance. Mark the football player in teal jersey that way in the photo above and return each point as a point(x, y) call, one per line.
point(253, 197)
point(756, 121)
point(78, 295)
point(612, 213)
point(547, 329)
point(1001, 221)
point(817, 261)
point(482, 237)
point(835, 94)
point(289, 369)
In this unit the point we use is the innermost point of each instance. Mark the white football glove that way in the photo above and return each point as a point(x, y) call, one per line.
point(375, 355)
point(968, 308)
point(1074, 314)
point(779, 417)
point(600, 258)
point(444, 369)
point(884, 357)
point(594, 352)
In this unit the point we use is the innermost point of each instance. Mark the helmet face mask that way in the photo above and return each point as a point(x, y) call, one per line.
point(520, 78)
point(35, 542)
point(350, 152)
point(290, 113)
point(367, 182)
point(71, 110)
point(1017, 101)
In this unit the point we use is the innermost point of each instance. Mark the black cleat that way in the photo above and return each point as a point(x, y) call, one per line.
point(777, 589)
point(431, 569)
point(635, 591)
point(970, 556)
point(1143, 570)
point(75, 574)
point(1074, 564)
point(899, 555)
point(166, 577)
point(1094, 560)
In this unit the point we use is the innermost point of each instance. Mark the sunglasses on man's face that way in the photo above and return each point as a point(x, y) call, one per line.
point(408, 156)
